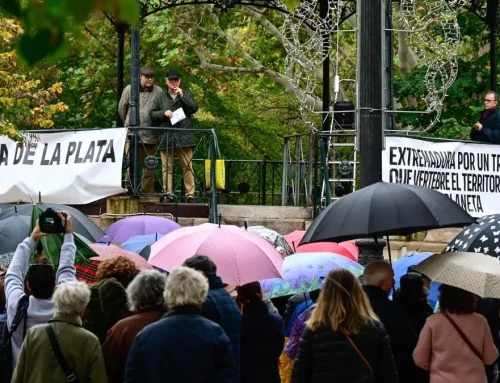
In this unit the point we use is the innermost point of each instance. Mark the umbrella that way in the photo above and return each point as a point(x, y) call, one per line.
point(81, 223)
point(303, 272)
point(146, 252)
point(13, 230)
point(5, 260)
point(241, 257)
point(52, 243)
point(475, 272)
point(139, 243)
point(347, 249)
point(273, 237)
point(481, 237)
point(111, 251)
point(122, 230)
point(401, 266)
point(83, 239)
point(386, 209)
point(5, 206)
point(87, 272)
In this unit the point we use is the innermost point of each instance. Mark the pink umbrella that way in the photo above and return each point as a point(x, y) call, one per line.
point(241, 257)
point(111, 251)
point(347, 249)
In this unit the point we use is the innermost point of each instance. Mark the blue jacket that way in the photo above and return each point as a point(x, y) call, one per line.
point(221, 308)
point(183, 347)
point(262, 342)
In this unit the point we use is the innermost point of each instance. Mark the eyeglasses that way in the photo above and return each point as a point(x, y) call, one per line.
point(173, 79)
point(489, 100)
point(149, 76)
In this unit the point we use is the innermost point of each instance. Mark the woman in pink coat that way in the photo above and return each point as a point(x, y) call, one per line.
point(449, 356)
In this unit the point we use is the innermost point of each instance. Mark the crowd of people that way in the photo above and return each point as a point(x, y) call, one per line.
point(185, 326)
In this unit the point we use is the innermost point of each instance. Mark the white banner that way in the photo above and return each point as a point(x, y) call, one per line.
point(468, 173)
point(67, 168)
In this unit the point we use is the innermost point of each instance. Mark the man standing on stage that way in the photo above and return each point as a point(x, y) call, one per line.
point(177, 105)
point(148, 138)
point(487, 129)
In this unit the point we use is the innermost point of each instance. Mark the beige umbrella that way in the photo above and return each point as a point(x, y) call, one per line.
point(475, 272)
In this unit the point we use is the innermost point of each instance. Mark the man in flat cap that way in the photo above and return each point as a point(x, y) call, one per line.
point(180, 144)
point(148, 138)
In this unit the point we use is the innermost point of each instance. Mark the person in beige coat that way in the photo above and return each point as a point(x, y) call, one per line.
point(148, 138)
point(80, 348)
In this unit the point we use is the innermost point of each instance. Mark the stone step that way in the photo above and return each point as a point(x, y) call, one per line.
point(265, 212)
point(282, 226)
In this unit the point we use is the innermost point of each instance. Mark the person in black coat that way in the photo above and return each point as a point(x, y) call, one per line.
point(487, 128)
point(262, 337)
point(378, 278)
point(219, 306)
point(183, 346)
point(344, 342)
point(412, 297)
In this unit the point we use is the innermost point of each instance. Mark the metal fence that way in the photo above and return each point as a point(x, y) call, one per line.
point(160, 162)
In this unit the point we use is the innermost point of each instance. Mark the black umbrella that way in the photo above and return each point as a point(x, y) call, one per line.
point(384, 209)
point(81, 223)
point(481, 237)
point(5, 206)
point(146, 252)
point(13, 230)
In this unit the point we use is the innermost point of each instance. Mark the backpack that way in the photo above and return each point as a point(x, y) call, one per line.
point(6, 338)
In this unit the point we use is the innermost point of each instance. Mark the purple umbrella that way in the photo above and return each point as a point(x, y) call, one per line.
point(302, 272)
point(123, 229)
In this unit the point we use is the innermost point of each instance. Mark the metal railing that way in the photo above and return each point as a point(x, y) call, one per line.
point(150, 167)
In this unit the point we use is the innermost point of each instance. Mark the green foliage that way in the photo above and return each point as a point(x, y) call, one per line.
point(47, 24)
point(463, 101)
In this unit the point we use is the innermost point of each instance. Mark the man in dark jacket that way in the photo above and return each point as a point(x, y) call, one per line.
point(412, 297)
point(165, 113)
point(219, 307)
point(183, 346)
point(487, 129)
point(378, 278)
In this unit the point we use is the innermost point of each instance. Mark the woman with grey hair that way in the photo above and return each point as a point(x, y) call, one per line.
point(80, 348)
point(145, 299)
point(184, 346)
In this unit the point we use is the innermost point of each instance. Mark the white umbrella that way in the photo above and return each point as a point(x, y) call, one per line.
point(475, 272)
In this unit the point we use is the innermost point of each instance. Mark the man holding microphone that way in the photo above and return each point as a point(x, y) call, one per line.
point(174, 108)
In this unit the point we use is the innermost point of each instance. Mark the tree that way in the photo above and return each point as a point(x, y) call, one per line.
point(47, 25)
point(24, 102)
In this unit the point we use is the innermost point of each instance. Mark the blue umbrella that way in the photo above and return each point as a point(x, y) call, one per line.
point(138, 243)
point(401, 266)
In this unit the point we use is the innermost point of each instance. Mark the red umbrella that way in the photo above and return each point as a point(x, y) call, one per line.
point(111, 251)
point(347, 249)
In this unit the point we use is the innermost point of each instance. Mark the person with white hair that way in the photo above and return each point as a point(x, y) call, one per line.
point(62, 349)
point(378, 279)
point(184, 346)
point(146, 301)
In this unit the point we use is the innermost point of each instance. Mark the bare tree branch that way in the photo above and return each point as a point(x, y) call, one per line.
point(256, 67)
